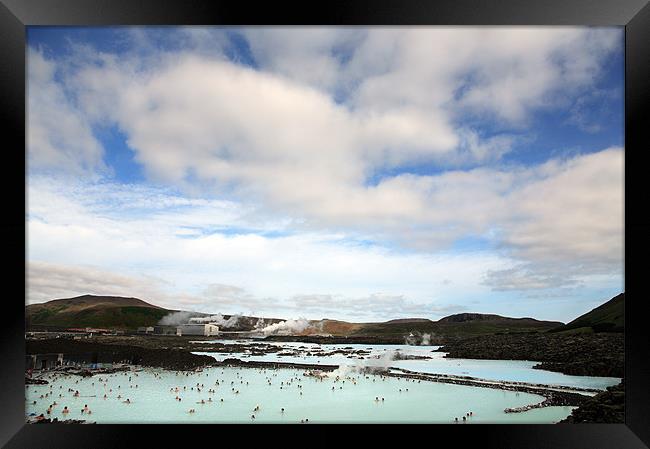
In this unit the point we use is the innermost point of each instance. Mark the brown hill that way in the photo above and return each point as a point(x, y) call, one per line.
point(94, 311)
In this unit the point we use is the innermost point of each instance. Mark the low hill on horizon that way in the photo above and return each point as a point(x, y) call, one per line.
point(124, 313)
point(114, 312)
point(457, 325)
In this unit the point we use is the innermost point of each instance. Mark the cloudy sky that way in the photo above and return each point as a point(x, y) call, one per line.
point(348, 173)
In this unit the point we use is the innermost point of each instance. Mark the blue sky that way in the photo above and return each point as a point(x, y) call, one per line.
point(353, 173)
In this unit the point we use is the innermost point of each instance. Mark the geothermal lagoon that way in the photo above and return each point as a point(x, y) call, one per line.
point(349, 394)
point(351, 399)
point(423, 359)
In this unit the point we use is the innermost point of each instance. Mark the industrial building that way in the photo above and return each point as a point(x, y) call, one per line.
point(165, 330)
point(206, 330)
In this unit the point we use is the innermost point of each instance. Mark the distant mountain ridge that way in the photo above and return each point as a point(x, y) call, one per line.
point(464, 317)
point(129, 313)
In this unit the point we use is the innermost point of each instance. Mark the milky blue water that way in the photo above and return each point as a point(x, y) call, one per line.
point(353, 398)
point(508, 370)
point(322, 400)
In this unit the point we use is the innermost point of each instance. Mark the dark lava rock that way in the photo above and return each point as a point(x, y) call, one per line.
point(605, 407)
point(576, 354)
point(30, 381)
point(92, 352)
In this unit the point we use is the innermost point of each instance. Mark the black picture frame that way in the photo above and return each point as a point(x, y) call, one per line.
point(15, 15)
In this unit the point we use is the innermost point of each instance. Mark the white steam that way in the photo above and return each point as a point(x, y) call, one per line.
point(381, 363)
point(219, 320)
point(426, 340)
point(288, 327)
point(176, 318)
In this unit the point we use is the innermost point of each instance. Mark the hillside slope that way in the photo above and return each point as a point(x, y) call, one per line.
point(608, 317)
point(94, 311)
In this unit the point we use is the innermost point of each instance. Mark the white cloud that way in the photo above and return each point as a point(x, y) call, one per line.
point(87, 231)
point(507, 71)
point(561, 223)
point(191, 118)
point(309, 145)
point(59, 137)
point(47, 281)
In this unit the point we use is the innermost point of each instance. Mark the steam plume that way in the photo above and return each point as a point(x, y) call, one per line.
point(219, 320)
point(381, 363)
point(287, 327)
point(176, 318)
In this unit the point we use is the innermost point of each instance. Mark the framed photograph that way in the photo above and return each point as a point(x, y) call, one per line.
point(303, 218)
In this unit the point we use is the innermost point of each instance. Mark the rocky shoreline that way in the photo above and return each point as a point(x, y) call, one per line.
point(173, 359)
point(57, 421)
point(552, 396)
point(574, 354)
point(605, 407)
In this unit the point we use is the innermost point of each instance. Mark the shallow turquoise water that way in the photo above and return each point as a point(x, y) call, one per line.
point(349, 402)
point(509, 370)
